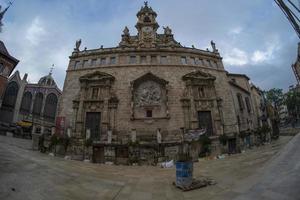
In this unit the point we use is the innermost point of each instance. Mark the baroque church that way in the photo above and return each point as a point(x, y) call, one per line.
point(151, 85)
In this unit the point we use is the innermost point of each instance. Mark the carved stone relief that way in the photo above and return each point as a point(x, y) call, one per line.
point(148, 93)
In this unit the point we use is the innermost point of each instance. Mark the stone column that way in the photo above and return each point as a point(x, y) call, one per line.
point(42, 129)
point(88, 134)
point(69, 132)
point(52, 130)
point(79, 117)
point(158, 136)
point(32, 103)
point(43, 105)
point(33, 129)
point(18, 101)
point(133, 135)
point(109, 136)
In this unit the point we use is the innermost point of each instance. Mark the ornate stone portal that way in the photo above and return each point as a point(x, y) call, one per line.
point(199, 102)
point(95, 100)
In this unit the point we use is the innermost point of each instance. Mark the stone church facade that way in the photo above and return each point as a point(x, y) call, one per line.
point(148, 84)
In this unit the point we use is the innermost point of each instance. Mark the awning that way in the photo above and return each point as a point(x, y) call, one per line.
point(24, 124)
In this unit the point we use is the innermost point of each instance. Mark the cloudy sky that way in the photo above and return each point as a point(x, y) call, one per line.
point(252, 36)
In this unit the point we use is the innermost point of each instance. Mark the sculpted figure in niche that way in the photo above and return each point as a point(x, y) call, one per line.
point(148, 93)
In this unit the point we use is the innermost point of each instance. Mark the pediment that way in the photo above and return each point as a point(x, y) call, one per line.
point(96, 76)
point(149, 76)
point(198, 75)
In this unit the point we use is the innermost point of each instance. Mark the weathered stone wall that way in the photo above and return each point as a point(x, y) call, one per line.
point(172, 72)
point(247, 118)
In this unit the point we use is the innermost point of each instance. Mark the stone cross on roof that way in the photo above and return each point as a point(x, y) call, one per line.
point(51, 69)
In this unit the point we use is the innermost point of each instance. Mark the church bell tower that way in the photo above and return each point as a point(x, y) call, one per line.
point(147, 26)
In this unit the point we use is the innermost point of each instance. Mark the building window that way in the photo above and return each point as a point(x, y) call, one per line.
point(38, 130)
point(26, 102)
point(94, 62)
point(132, 59)
point(240, 100)
point(50, 107)
point(77, 63)
point(215, 64)
point(248, 104)
point(163, 60)
point(85, 63)
point(193, 61)
point(209, 63)
point(147, 19)
point(103, 61)
point(112, 60)
point(183, 60)
point(149, 113)
point(10, 95)
point(38, 104)
point(1, 68)
point(143, 59)
point(95, 93)
point(200, 61)
point(153, 59)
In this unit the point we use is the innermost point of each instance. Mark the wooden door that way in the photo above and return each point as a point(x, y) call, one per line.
point(232, 145)
point(92, 122)
point(205, 121)
point(98, 154)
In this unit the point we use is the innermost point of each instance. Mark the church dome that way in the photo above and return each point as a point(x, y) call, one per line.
point(47, 80)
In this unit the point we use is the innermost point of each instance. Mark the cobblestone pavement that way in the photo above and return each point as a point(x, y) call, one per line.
point(27, 174)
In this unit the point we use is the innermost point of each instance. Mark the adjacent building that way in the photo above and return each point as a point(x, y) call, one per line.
point(35, 103)
point(7, 65)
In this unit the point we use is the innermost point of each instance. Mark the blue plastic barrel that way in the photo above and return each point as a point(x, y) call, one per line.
point(184, 174)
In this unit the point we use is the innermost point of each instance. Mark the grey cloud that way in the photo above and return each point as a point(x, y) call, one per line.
point(193, 22)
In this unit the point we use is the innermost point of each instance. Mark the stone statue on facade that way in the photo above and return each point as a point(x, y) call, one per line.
point(213, 45)
point(167, 30)
point(77, 45)
point(126, 31)
point(2, 14)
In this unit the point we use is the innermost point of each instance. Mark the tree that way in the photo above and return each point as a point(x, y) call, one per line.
point(275, 97)
point(292, 102)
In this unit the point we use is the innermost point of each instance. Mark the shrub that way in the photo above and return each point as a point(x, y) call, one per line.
point(223, 139)
point(88, 142)
point(205, 142)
